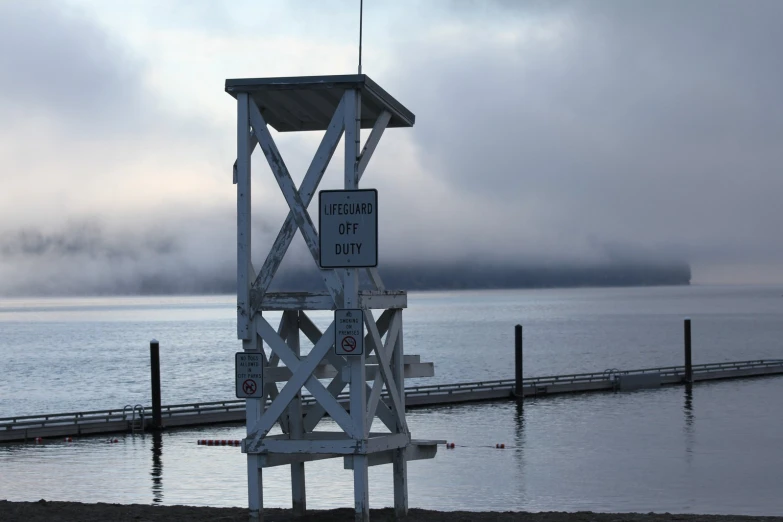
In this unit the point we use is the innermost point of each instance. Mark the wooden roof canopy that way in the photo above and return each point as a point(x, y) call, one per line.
point(307, 103)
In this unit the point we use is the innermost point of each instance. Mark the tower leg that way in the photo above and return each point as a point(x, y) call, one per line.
point(399, 463)
point(400, 466)
point(255, 492)
point(298, 492)
point(361, 488)
point(253, 410)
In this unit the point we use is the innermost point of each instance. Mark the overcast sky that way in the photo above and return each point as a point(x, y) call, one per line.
point(545, 132)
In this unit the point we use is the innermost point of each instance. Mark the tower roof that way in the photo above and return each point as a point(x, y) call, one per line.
point(307, 103)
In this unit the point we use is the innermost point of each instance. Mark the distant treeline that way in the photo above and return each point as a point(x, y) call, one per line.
point(460, 277)
point(432, 277)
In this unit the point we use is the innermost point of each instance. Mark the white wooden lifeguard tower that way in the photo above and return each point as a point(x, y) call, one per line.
point(336, 105)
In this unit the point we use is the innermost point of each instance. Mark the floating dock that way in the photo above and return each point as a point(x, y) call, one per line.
point(98, 422)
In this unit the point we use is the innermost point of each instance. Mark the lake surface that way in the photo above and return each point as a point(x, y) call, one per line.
point(713, 449)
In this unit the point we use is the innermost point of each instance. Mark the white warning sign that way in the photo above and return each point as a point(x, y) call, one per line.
point(348, 228)
point(349, 332)
point(249, 375)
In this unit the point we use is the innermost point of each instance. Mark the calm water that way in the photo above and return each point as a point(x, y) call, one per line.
point(716, 449)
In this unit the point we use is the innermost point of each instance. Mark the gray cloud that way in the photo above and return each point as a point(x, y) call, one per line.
point(547, 132)
point(655, 124)
point(57, 62)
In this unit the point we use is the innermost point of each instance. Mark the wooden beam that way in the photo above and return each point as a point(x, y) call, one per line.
point(417, 450)
point(383, 364)
point(331, 443)
point(252, 147)
point(401, 456)
point(338, 384)
point(327, 371)
point(244, 314)
point(270, 460)
point(383, 356)
point(320, 394)
point(307, 191)
point(372, 140)
point(295, 203)
point(298, 491)
point(323, 301)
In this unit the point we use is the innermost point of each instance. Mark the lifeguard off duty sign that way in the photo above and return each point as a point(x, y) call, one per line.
point(348, 228)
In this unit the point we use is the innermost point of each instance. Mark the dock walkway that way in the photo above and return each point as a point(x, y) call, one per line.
point(96, 422)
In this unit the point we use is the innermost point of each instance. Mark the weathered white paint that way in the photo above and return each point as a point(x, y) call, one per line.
point(323, 301)
point(327, 371)
point(401, 456)
point(324, 343)
point(339, 383)
point(292, 197)
point(383, 363)
point(372, 141)
point(302, 376)
point(253, 412)
point(361, 486)
point(416, 450)
point(243, 218)
point(298, 492)
point(307, 190)
point(383, 356)
point(270, 460)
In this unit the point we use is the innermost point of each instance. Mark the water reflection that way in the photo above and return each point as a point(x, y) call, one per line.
point(157, 467)
point(688, 410)
point(519, 449)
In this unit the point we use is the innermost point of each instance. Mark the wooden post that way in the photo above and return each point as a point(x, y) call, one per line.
point(253, 411)
point(358, 398)
point(251, 342)
point(518, 390)
point(399, 462)
point(157, 422)
point(296, 429)
point(688, 361)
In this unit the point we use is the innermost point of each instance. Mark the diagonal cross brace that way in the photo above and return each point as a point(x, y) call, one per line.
point(251, 147)
point(302, 376)
point(385, 353)
point(364, 158)
point(383, 366)
point(307, 190)
point(294, 200)
point(337, 385)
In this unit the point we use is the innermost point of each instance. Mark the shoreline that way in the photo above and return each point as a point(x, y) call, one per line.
point(51, 511)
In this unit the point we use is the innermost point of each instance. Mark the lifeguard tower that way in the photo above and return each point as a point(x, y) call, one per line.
point(347, 244)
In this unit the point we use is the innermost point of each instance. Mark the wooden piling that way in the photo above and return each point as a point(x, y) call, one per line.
point(688, 361)
point(518, 361)
point(157, 422)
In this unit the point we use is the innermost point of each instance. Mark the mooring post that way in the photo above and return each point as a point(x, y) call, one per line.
point(688, 362)
point(157, 423)
point(518, 391)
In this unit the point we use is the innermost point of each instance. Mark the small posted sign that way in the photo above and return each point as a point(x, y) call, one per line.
point(249, 375)
point(349, 331)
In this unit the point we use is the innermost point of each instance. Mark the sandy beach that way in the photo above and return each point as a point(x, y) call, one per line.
point(77, 512)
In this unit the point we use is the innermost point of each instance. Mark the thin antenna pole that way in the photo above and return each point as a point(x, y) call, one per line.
point(361, 8)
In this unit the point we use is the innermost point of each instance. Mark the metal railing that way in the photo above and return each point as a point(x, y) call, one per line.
point(237, 405)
